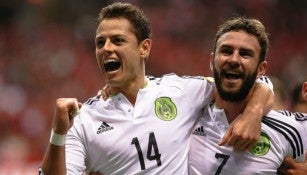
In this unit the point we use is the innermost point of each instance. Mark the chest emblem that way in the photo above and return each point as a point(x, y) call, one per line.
point(165, 109)
point(263, 145)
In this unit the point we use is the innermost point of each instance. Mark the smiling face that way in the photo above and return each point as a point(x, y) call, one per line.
point(236, 64)
point(120, 56)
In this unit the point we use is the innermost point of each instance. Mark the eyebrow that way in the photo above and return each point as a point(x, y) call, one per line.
point(226, 46)
point(112, 36)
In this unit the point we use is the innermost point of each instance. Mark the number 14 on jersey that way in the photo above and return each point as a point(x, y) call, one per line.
point(152, 145)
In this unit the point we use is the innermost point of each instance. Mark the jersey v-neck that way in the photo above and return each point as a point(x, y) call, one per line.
point(120, 102)
point(219, 117)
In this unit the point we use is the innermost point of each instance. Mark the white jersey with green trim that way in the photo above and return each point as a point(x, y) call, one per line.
point(281, 136)
point(152, 137)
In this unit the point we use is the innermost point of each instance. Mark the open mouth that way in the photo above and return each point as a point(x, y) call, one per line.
point(111, 65)
point(232, 75)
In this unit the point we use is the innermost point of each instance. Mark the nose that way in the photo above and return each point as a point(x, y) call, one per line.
point(234, 59)
point(108, 47)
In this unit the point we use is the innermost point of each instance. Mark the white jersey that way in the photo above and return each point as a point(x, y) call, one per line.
point(298, 116)
point(152, 137)
point(281, 136)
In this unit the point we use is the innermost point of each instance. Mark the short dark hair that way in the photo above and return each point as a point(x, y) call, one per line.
point(132, 13)
point(251, 26)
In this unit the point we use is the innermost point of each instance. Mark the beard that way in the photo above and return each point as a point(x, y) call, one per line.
point(241, 93)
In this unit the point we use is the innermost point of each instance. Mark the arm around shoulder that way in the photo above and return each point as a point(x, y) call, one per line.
point(245, 132)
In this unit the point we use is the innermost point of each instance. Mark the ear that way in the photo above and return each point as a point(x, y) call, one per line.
point(211, 61)
point(262, 68)
point(145, 48)
point(304, 90)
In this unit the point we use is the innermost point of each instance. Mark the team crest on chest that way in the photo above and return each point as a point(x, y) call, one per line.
point(165, 108)
point(263, 145)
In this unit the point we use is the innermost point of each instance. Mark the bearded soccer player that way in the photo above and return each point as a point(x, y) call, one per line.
point(238, 59)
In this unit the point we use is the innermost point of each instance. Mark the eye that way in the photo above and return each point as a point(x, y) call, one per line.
point(226, 51)
point(246, 53)
point(118, 40)
point(100, 42)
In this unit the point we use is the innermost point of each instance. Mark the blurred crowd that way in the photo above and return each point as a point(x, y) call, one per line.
point(47, 51)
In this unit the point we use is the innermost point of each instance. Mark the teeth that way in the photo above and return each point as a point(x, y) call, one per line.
point(110, 60)
point(231, 74)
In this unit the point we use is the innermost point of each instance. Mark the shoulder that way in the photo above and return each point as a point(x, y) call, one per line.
point(94, 104)
point(287, 128)
point(284, 125)
point(173, 79)
point(93, 109)
point(284, 118)
point(299, 116)
point(193, 86)
point(90, 101)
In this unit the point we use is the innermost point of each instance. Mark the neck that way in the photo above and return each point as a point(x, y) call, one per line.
point(130, 89)
point(232, 109)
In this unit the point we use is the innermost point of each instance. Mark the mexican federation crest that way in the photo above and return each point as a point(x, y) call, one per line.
point(165, 108)
point(263, 145)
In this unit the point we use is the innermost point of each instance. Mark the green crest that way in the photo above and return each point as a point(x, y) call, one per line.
point(263, 145)
point(165, 109)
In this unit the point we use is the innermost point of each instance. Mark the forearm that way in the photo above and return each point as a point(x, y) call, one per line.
point(54, 160)
point(261, 101)
point(246, 130)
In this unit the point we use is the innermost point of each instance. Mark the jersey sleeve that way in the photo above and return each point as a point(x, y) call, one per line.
point(298, 116)
point(302, 140)
point(75, 150)
point(200, 89)
point(300, 125)
point(204, 91)
point(302, 119)
point(265, 80)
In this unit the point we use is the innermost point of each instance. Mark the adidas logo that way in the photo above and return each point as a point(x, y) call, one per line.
point(104, 127)
point(199, 131)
